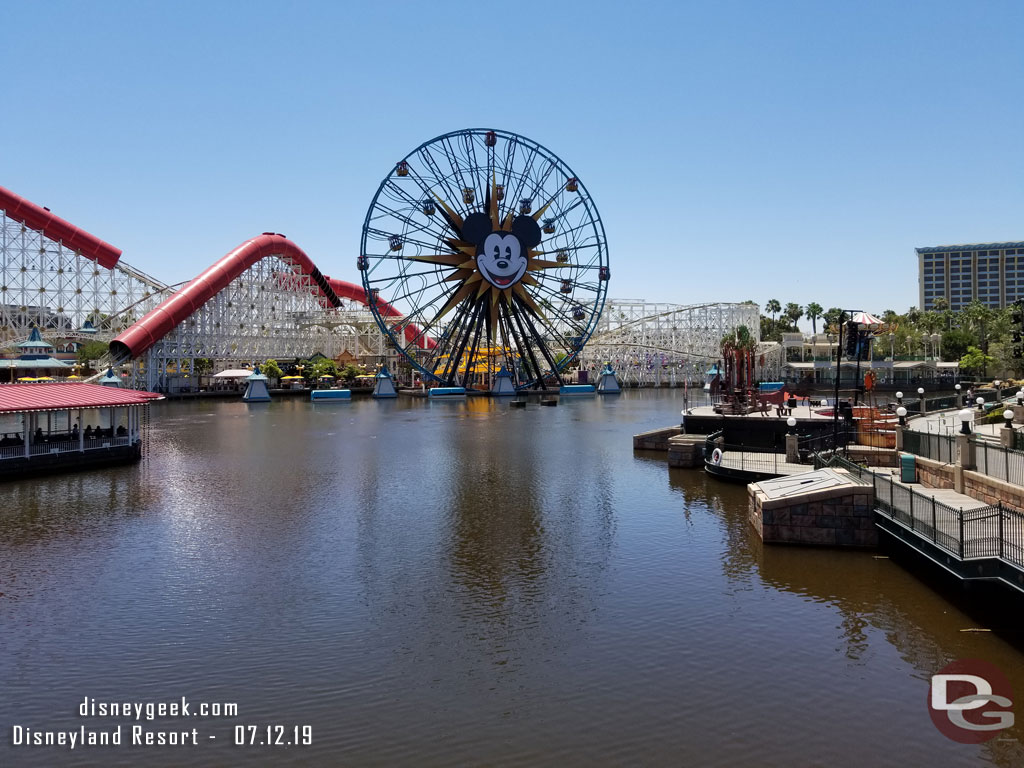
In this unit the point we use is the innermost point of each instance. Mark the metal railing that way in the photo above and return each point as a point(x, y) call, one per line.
point(12, 451)
point(982, 532)
point(711, 442)
point(826, 441)
point(63, 446)
point(930, 445)
point(858, 474)
point(1002, 463)
point(747, 459)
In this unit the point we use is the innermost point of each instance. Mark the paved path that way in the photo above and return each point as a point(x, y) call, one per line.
point(948, 422)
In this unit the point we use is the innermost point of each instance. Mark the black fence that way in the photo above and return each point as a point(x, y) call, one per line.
point(746, 459)
point(858, 474)
point(974, 533)
point(930, 445)
point(827, 442)
point(1003, 463)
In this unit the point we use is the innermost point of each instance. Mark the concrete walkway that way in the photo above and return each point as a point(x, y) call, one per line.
point(948, 422)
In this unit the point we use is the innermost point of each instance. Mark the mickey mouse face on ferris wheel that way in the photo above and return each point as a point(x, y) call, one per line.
point(501, 256)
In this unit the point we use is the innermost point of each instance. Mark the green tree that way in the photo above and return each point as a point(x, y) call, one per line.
point(793, 313)
point(773, 307)
point(974, 360)
point(271, 369)
point(832, 316)
point(813, 311)
point(955, 343)
point(92, 350)
point(350, 371)
point(324, 367)
point(202, 366)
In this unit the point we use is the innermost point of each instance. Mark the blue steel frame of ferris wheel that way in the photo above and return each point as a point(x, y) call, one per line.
point(590, 209)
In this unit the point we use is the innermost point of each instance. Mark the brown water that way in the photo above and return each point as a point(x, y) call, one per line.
point(460, 583)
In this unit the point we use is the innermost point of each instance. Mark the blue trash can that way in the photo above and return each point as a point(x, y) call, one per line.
point(908, 470)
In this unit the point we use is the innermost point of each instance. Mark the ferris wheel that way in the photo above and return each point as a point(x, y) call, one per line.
point(482, 250)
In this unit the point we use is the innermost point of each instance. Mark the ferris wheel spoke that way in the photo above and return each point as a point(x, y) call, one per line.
point(464, 329)
point(463, 312)
point(451, 156)
point(441, 179)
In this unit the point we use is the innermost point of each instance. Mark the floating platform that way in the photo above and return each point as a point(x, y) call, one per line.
point(256, 388)
point(330, 394)
point(384, 386)
point(577, 390)
point(608, 384)
point(446, 392)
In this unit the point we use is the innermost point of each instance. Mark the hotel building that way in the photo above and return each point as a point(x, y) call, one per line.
point(992, 273)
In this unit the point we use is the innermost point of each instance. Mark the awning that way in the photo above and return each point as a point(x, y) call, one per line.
point(234, 373)
point(866, 318)
point(16, 398)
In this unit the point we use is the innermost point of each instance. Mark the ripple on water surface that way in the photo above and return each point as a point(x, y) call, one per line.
point(459, 582)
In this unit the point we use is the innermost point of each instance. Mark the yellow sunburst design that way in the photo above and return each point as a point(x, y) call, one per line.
point(512, 316)
point(465, 269)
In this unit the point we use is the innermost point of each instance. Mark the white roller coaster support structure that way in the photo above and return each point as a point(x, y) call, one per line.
point(269, 311)
point(657, 345)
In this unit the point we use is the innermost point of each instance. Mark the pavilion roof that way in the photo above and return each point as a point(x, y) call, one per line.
point(19, 398)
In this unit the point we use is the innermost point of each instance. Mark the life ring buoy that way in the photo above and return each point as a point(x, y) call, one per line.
point(716, 456)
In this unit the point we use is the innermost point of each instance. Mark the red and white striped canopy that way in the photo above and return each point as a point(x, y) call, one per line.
point(866, 318)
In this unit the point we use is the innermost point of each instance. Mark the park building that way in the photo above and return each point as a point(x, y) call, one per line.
point(810, 360)
point(992, 273)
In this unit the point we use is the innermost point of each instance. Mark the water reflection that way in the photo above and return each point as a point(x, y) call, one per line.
point(880, 603)
point(460, 582)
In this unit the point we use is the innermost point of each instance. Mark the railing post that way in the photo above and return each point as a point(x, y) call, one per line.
point(1006, 455)
point(1000, 505)
point(934, 532)
point(961, 533)
point(912, 515)
point(892, 486)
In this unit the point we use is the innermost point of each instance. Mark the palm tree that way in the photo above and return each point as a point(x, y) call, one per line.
point(832, 316)
point(794, 312)
point(773, 307)
point(814, 311)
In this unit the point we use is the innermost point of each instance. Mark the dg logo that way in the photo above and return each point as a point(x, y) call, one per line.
point(970, 701)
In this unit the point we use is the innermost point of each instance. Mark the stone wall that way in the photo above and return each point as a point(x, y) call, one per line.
point(875, 457)
point(992, 490)
point(838, 517)
point(934, 474)
point(686, 451)
point(656, 439)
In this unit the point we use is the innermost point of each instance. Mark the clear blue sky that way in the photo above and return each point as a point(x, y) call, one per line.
point(735, 150)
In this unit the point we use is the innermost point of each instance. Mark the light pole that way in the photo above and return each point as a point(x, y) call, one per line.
point(892, 357)
point(902, 413)
point(920, 395)
point(981, 403)
point(958, 400)
point(965, 420)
